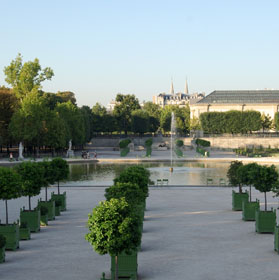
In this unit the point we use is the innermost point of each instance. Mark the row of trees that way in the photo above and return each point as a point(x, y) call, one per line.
point(234, 122)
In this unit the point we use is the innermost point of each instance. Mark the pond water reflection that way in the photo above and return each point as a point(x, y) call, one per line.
point(187, 173)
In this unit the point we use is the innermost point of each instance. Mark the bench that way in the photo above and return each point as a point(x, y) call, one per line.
point(209, 181)
point(222, 182)
point(162, 182)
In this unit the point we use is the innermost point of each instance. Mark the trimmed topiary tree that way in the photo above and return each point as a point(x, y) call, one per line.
point(60, 170)
point(113, 229)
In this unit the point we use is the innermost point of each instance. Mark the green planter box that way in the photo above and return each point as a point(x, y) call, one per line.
point(2, 255)
point(265, 221)
point(24, 233)
point(11, 232)
point(249, 210)
point(32, 218)
point(276, 239)
point(127, 266)
point(237, 199)
point(57, 210)
point(62, 198)
point(51, 208)
point(44, 220)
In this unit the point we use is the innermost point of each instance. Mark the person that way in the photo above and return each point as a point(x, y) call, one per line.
point(11, 157)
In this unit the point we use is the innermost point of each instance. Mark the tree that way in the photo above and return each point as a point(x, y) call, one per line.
point(139, 121)
point(31, 177)
point(266, 179)
point(195, 124)
point(113, 229)
point(154, 112)
point(10, 186)
point(126, 104)
point(60, 169)
point(99, 114)
point(266, 122)
point(87, 120)
point(66, 96)
point(233, 174)
point(25, 77)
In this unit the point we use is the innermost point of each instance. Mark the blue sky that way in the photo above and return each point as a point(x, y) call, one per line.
point(100, 48)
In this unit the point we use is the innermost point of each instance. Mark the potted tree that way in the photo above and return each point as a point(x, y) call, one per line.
point(61, 171)
point(2, 248)
point(31, 175)
point(10, 188)
point(266, 178)
point(235, 181)
point(114, 229)
point(247, 174)
point(48, 178)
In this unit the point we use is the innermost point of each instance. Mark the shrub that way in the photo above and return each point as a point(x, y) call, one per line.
point(124, 143)
point(149, 142)
point(124, 152)
point(202, 143)
point(178, 152)
point(179, 143)
point(2, 241)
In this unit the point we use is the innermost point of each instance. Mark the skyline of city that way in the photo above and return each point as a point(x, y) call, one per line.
point(98, 49)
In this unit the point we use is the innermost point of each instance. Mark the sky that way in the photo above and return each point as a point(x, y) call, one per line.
point(100, 48)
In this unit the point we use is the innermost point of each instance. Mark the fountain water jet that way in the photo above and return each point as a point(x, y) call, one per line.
point(173, 131)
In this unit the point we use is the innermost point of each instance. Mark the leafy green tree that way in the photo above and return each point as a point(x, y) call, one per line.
point(31, 178)
point(165, 119)
point(137, 175)
point(25, 77)
point(233, 174)
point(246, 174)
point(140, 121)
point(126, 104)
point(99, 114)
point(66, 96)
point(113, 229)
point(87, 120)
point(265, 180)
point(266, 122)
point(10, 186)
point(132, 193)
point(195, 124)
point(60, 169)
point(154, 112)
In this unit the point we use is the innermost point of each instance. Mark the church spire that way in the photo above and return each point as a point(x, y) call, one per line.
point(171, 89)
point(186, 91)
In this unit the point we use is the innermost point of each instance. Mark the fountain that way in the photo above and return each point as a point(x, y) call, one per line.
point(173, 131)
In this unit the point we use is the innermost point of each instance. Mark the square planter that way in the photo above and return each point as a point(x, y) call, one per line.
point(249, 210)
point(24, 233)
point(51, 208)
point(62, 198)
point(276, 238)
point(57, 210)
point(2, 255)
point(265, 221)
point(11, 232)
point(32, 218)
point(237, 199)
point(127, 265)
point(44, 220)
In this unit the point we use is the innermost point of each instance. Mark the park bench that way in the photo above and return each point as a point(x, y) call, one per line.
point(159, 182)
point(209, 181)
point(222, 182)
point(165, 181)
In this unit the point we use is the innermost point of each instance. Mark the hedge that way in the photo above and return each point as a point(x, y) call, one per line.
point(179, 143)
point(124, 143)
point(202, 143)
point(149, 142)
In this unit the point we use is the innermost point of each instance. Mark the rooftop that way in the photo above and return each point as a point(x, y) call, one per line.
point(242, 96)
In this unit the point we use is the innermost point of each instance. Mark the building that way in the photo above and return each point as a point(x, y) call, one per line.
point(264, 101)
point(179, 98)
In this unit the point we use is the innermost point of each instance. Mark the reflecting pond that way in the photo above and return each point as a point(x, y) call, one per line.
point(186, 173)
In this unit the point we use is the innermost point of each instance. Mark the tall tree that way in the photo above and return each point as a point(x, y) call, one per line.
point(126, 104)
point(140, 121)
point(25, 77)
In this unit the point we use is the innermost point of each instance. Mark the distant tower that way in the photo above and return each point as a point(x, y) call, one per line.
point(186, 91)
point(171, 89)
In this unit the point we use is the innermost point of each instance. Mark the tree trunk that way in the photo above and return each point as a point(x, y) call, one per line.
point(250, 193)
point(240, 188)
point(6, 203)
point(265, 204)
point(58, 187)
point(29, 197)
point(46, 194)
point(116, 267)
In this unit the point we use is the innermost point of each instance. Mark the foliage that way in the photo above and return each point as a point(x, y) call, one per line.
point(247, 172)
point(25, 77)
point(178, 152)
point(132, 193)
point(179, 143)
point(202, 151)
point(2, 241)
point(266, 179)
point(276, 121)
point(44, 210)
point(266, 122)
point(126, 104)
point(139, 121)
point(230, 122)
point(60, 169)
point(148, 151)
point(195, 123)
point(113, 228)
point(148, 142)
point(58, 203)
point(124, 152)
point(202, 142)
point(154, 112)
point(135, 174)
point(232, 174)
point(124, 143)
